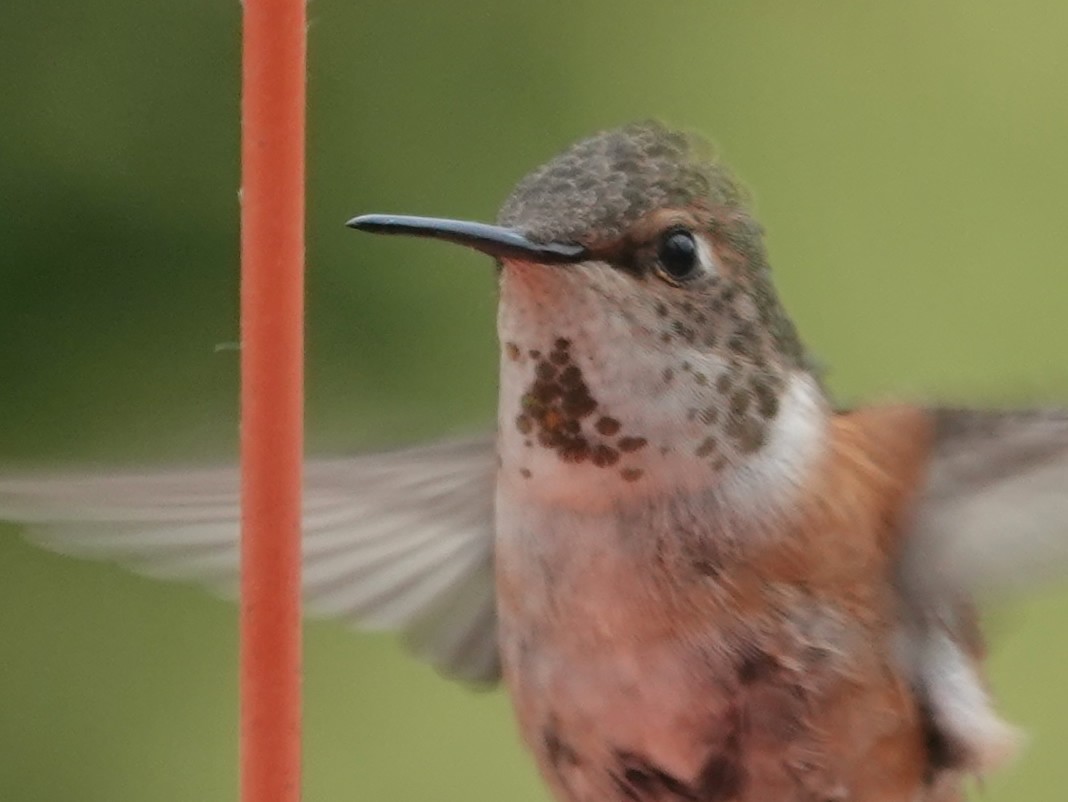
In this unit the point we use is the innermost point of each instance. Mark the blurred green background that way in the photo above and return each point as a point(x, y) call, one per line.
point(909, 160)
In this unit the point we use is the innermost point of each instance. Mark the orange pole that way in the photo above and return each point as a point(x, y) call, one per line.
point(272, 365)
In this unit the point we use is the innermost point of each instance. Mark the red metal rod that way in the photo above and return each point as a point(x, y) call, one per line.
point(272, 356)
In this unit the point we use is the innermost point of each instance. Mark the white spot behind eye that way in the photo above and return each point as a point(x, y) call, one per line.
point(705, 257)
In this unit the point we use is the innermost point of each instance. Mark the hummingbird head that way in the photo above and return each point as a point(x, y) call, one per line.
point(640, 331)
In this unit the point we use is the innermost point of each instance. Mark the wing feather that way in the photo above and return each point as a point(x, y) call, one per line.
point(992, 516)
point(401, 540)
point(994, 513)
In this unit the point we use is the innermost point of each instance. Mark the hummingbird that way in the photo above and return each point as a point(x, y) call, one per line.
point(699, 578)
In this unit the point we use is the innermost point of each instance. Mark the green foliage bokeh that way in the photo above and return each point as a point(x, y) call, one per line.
point(907, 159)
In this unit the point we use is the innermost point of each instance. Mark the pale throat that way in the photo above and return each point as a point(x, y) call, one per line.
point(595, 411)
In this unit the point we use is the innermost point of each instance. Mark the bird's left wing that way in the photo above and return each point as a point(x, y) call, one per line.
point(401, 540)
point(991, 516)
point(993, 513)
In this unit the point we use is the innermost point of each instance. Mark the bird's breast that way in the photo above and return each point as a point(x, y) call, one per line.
point(660, 651)
point(624, 696)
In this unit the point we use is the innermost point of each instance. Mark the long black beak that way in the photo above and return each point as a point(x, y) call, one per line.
point(496, 241)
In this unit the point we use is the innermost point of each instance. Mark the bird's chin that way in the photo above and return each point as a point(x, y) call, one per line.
point(525, 273)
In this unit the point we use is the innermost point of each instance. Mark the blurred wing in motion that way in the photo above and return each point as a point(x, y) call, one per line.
point(400, 540)
point(992, 517)
point(994, 513)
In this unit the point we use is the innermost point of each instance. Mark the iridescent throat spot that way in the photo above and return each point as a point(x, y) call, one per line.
point(559, 413)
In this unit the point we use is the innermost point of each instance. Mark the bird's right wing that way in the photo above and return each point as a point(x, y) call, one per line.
point(400, 540)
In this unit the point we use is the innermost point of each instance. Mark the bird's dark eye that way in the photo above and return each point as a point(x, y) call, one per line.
point(677, 255)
